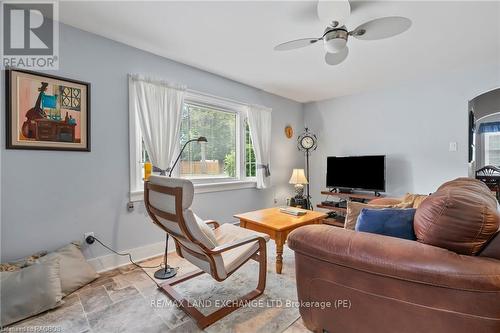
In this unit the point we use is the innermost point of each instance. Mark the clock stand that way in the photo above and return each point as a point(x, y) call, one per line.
point(307, 142)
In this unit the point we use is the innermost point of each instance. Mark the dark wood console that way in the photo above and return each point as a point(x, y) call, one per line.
point(338, 221)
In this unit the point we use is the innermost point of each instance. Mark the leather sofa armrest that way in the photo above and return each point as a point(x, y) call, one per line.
point(396, 258)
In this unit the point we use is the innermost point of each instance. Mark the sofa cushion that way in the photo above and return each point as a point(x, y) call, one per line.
point(385, 201)
point(388, 222)
point(354, 209)
point(460, 216)
point(414, 200)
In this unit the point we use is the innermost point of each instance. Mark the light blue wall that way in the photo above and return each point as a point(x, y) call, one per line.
point(411, 122)
point(51, 198)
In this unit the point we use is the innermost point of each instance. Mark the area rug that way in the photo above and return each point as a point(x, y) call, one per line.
point(274, 311)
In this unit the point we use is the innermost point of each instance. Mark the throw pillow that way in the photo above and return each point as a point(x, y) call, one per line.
point(75, 271)
point(205, 228)
point(21, 263)
point(414, 200)
point(29, 291)
point(354, 208)
point(389, 222)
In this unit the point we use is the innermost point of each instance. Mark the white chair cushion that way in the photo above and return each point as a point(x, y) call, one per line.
point(228, 233)
point(166, 202)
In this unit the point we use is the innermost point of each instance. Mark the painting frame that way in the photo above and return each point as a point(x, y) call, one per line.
point(12, 113)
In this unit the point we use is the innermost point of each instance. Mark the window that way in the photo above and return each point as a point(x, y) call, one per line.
point(227, 156)
point(215, 158)
point(492, 149)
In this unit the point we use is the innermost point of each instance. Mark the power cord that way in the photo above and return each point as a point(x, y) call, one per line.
point(91, 239)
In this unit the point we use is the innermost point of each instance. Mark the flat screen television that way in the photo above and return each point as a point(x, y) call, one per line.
point(356, 173)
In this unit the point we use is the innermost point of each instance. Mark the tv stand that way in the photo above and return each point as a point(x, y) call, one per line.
point(347, 191)
point(339, 212)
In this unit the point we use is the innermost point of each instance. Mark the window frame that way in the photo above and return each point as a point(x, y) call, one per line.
point(486, 138)
point(240, 116)
point(202, 185)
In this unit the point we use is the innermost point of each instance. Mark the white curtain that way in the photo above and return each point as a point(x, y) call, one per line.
point(259, 121)
point(159, 107)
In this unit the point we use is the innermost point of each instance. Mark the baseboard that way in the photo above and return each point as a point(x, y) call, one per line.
point(112, 261)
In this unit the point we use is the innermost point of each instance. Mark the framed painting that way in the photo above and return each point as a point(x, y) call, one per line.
point(46, 112)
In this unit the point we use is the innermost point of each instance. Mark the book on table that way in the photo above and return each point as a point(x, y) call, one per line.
point(293, 211)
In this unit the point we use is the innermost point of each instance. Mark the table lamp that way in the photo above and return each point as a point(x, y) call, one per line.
point(298, 179)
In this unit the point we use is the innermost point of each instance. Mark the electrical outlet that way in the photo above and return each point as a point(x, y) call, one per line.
point(87, 234)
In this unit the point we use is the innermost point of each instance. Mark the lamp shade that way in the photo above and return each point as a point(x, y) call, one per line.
point(298, 177)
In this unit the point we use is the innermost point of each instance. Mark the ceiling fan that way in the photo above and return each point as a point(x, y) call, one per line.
point(335, 36)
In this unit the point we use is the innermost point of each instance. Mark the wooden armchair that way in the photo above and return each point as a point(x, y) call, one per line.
point(218, 252)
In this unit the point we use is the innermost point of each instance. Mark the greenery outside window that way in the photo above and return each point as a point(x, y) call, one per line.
point(250, 165)
point(217, 157)
point(227, 156)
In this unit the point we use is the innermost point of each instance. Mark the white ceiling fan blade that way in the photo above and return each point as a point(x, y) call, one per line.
point(381, 28)
point(329, 11)
point(296, 44)
point(336, 58)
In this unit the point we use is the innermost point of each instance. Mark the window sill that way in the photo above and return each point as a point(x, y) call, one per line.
point(207, 188)
point(224, 186)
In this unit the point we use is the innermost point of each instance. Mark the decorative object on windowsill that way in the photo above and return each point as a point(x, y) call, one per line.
point(46, 112)
point(307, 142)
point(289, 131)
point(148, 168)
point(168, 272)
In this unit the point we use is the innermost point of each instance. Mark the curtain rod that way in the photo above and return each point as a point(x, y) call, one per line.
point(226, 99)
point(179, 86)
point(216, 97)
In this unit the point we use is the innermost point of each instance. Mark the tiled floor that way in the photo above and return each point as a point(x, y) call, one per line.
point(126, 300)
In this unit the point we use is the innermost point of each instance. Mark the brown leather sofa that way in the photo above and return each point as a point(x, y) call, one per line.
point(446, 281)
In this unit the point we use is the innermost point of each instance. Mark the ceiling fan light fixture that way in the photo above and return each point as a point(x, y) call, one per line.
point(335, 40)
point(335, 45)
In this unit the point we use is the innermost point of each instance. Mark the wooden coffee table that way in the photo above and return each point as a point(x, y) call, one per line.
point(277, 225)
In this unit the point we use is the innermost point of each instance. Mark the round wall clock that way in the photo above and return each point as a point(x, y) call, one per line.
point(307, 141)
point(289, 131)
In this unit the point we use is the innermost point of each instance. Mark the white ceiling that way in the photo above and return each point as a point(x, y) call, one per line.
point(236, 40)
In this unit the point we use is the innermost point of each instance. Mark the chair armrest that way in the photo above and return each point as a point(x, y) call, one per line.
point(396, 258)
point(240, 242)
point(212, 222)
